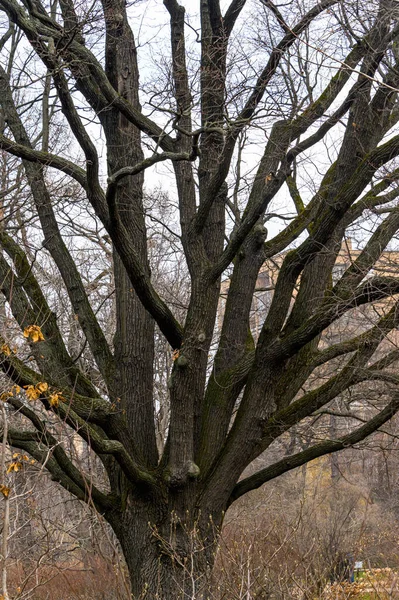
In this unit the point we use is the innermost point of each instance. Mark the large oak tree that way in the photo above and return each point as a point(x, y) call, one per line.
point(261, 113)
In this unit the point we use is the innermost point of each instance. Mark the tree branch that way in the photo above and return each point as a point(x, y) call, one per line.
point(374, 289)
point(326, 447)
point(44, 158)
point(76, 54)
point(232, 14)
point(31, 442)
point(114, 179)
point(248, 111)
point(53, 447)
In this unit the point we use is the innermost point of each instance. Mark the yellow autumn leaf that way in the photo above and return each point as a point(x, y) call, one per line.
point(5, 349)
point(54, 399)
point(31, 392)
point(42, 386)
point(16, 389)
point(34, 391)
point(14, 466)
point(5, 490)
point(20, 456)
point(34, 333)
point(4, 396)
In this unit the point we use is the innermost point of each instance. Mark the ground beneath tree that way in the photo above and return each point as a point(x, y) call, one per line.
point(371, 584)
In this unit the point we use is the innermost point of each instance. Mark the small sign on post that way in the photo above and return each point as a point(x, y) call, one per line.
point(358, 570)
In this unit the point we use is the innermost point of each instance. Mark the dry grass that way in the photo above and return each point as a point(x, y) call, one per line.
point(374, 584)
point(97, 579)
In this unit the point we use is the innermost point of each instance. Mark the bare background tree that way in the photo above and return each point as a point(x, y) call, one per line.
point(133, 339)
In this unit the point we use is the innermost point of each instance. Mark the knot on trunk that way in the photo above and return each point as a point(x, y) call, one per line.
point(178, 476)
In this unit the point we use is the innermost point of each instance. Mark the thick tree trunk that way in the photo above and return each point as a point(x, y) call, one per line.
point(167, 558)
